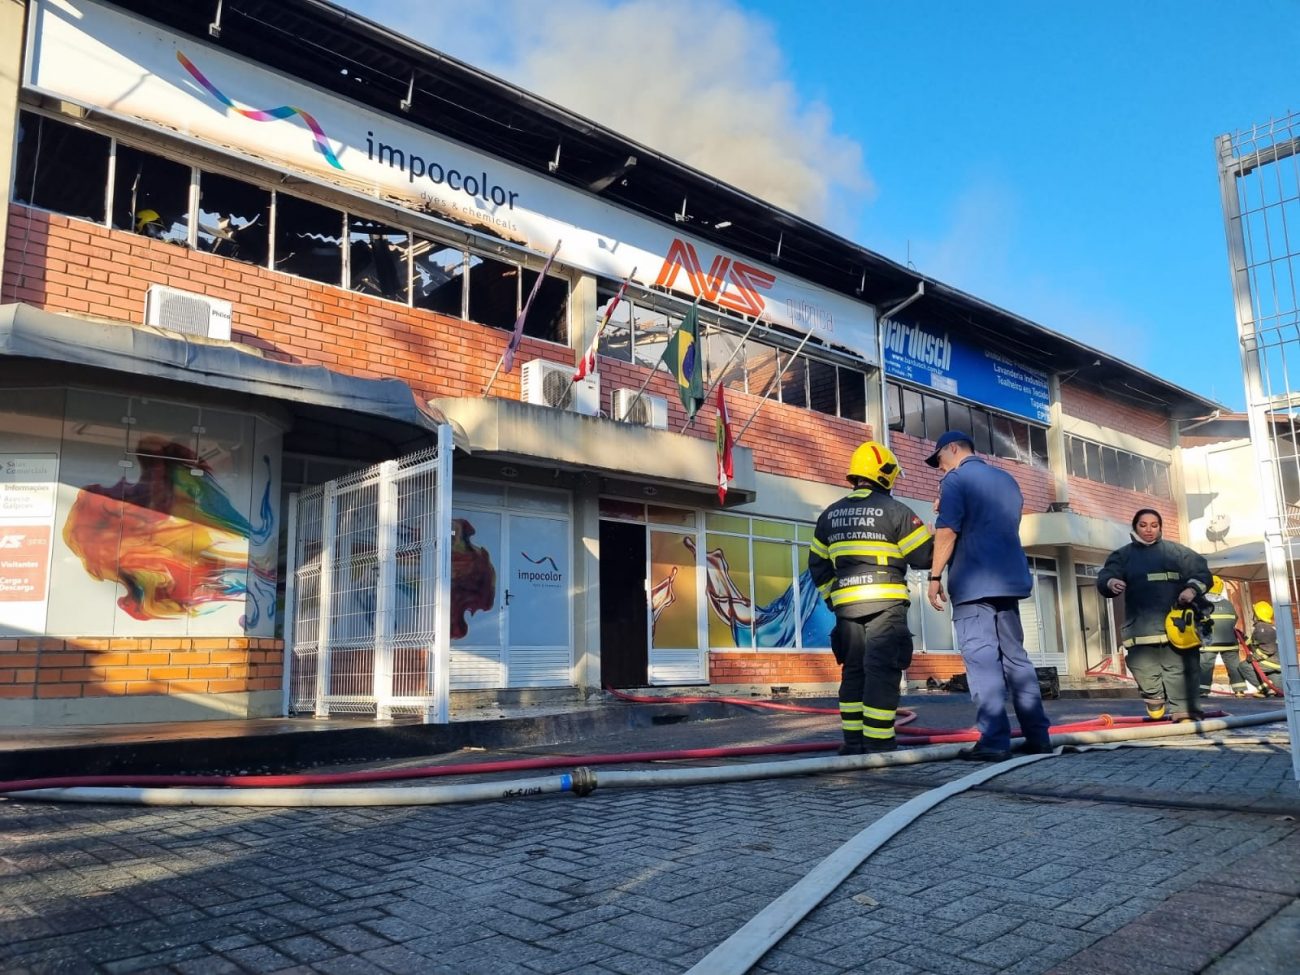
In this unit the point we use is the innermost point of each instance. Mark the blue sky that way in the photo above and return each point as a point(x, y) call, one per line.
point(1056, 159)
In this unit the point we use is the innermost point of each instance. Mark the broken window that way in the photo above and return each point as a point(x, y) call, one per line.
point(493, 292)
point(821, 387)
point(439, 277)
point(616, 340)
point(651, 330)
point(308, 239)
point(853, 395)
point(794, 381)
point(151, 195)
point(723, 358)
point(548, 315)
point(61, 167)
point(377, 262)
point(234, 219)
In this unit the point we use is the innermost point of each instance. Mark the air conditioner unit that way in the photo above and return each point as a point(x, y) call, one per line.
point(648, 411)
point(183, 311)
point(551, 384)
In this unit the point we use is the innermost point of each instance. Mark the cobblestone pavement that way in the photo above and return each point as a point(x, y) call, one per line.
point(1033, 875)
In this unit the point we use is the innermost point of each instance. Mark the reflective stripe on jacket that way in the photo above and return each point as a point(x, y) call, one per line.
point(862, 548)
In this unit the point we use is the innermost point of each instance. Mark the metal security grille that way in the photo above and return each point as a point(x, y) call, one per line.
point(1259, 179)
point(369, 590)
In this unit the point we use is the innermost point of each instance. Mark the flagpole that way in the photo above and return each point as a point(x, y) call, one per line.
point(517, 332)
point(494, 374)
point(653, 369)
point(771, 385)
point(723, 371)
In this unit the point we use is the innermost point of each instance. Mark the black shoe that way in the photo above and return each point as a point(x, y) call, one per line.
point(850, 749)
point(871, 745)
point(978, 753)
point(1033, 748)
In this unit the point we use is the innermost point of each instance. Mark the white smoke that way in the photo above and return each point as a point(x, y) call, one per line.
point(701, 81)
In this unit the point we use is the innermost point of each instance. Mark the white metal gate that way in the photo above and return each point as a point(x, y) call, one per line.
point(1259, 179)
point(368, 594)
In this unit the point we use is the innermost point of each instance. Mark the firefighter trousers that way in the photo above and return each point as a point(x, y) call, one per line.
point(1168, 679)
point(875, 651)
point(1232, 663)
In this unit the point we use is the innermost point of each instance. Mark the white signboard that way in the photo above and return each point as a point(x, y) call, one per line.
point(28, 490)
point(125, 67)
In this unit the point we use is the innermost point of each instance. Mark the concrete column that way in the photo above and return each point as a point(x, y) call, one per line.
point(1056, 458)
point(586, 601)
point(1076, 655)
point(12, 17)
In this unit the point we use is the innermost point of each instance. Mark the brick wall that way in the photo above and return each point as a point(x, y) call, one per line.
point(1119, 504)
point(781, 668)
point(922, 482)
point(1096, 407)
point(66, 265)
point(48, 667)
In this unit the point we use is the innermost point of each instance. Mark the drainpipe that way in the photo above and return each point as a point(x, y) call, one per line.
point(882, 434)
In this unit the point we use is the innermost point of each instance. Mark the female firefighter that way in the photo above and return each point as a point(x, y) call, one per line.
point(1159, 580)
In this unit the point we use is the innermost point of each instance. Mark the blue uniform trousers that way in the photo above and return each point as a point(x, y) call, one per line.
point(992, 644)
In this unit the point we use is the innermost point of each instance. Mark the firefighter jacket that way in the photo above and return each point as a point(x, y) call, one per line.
point(1263, 640)
point(1155, 575)
point(1223, 619)
point(862, 547)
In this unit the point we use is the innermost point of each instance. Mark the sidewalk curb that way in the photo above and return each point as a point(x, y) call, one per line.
point(295, 748)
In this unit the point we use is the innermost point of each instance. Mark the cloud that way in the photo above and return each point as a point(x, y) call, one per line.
point(703, 82)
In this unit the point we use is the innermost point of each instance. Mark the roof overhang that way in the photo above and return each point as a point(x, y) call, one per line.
point(383, 408)
point(542, 437)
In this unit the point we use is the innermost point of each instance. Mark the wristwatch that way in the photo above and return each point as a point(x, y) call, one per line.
point(936, 578)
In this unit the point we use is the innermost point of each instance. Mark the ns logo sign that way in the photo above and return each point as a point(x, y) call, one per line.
point(728, 282)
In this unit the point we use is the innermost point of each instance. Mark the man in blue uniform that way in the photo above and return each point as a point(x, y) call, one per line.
point(977, 538)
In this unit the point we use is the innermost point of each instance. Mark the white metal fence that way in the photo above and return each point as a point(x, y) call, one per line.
point(1259, 178)
point(368, 590)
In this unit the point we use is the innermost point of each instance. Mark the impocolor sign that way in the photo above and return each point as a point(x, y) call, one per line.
point(933, 357)
point(96, 56)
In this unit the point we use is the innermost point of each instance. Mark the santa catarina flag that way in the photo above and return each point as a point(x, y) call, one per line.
point(722, 430)
point(682, 356)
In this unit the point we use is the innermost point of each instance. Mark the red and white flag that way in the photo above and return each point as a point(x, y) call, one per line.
point(508, 359)
point(722, 431)
point(588, 362)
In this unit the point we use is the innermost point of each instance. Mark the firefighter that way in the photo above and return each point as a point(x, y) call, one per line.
point(1222, 641)
point(862, 548)
point(150, 224)
point(1154, 574)
point(1263, 646)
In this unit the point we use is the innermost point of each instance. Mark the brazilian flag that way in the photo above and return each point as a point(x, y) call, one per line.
point(683, 358)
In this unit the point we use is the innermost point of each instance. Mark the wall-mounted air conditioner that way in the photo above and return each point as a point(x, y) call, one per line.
point(550, 384)
point(648, 411)
point(183, 311)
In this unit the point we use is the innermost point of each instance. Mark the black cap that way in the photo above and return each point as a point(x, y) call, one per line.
point(951, 437)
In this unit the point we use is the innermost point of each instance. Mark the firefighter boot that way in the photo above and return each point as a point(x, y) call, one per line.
point(852, 742)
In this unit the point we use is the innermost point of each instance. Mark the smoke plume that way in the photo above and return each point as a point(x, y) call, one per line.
point(704, 82)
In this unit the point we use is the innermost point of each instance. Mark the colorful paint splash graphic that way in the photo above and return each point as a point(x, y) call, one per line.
point(473, 577)
point(773, 625)
point(173, 539)
point(263, 114)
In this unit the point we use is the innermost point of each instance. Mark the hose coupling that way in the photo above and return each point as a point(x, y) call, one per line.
point(584, 781)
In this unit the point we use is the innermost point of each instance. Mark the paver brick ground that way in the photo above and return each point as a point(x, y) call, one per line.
point(643, 883)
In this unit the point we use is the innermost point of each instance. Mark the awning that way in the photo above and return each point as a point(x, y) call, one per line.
point(385, 405)
point(625, 455)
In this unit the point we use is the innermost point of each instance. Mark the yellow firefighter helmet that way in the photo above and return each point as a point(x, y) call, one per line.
point(876, 463)
point(1216, 586)
point(147, 220)
point(1180, 628)
point(1263, 611)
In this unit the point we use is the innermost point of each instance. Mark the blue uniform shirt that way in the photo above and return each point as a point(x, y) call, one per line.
point(982, 505)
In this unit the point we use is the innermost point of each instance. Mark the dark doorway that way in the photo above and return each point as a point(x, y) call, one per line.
point(624, 648)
